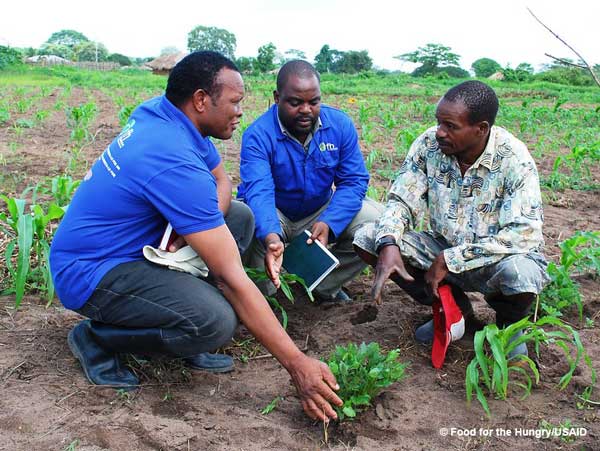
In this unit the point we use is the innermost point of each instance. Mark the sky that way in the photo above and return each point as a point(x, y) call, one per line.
point(502, 30)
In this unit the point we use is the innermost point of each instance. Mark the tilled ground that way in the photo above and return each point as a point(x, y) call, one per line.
point(47, 404)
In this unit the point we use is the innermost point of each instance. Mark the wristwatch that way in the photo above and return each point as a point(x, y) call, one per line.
point(387, 240)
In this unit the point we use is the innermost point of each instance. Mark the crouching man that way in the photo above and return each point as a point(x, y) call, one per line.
point(479, 187)
point(162, 169)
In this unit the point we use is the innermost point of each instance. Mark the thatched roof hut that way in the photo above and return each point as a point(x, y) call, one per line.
point(163, 64)
point(496, 76)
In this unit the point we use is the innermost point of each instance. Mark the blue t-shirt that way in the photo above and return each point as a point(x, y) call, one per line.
point(157, 170)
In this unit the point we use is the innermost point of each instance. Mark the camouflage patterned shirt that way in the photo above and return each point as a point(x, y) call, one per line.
point(493, 211)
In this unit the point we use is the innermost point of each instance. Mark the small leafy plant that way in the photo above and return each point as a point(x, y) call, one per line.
point(362, 372)
point(579, 254)
point(491, 368)
point(286, 279)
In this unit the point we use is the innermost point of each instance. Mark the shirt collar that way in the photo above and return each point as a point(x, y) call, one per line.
point(184, 122)
point(318, 125)
point(487, 157)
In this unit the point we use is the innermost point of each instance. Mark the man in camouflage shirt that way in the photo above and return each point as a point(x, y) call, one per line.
point(478, 187)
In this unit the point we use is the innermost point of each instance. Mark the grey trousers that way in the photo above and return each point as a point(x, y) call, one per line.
point(514, 274)
point(192, 314)
point(350, 264)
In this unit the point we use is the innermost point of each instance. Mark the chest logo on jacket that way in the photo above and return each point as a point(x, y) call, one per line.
point(327, 147)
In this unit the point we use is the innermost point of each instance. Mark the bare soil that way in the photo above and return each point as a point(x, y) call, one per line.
point(47, 404)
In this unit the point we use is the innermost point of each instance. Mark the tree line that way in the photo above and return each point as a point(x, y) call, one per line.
point(433, 60)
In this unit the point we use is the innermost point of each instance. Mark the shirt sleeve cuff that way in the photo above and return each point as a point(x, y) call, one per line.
point(388, 231)
point(454, 260)
point(262, 235)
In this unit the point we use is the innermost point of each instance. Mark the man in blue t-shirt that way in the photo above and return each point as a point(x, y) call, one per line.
point(161, 169)
point(292, 157)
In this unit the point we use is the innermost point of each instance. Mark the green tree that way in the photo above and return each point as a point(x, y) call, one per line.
point(525, 67)
point(90, 51)
point(453, 72)
point(9, 57)
point(566, 75)
point(324, 59)
point(212, 38)
point(484, 67)
point(138, 61)
point(519, 74)
point(265, 61)
point(119, 58)
point(294, 54)
point(245, 63)
point(69, 38)
point(57, 49)
point(351, 62)
point(431, 57)
point(29, 51)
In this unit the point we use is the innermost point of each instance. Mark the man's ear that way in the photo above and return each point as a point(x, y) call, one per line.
point(199, 99)
point(484, 128)
point(276, 96)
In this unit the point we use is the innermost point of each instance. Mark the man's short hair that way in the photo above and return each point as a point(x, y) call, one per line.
point(198, 70)
point(299, 68)
point(481, 100)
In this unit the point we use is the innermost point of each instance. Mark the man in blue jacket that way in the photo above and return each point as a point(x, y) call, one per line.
point(292, 158)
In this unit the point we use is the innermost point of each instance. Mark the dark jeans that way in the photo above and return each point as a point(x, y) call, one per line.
point(192, 315)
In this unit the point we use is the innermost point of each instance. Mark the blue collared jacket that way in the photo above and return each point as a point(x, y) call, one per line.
point(277, 172)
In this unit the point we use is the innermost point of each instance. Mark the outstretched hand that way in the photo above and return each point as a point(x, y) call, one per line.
point(315, 384)
point(388, 263)
point(274, 248)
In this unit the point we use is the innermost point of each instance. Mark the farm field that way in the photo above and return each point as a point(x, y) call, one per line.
point(53, 125)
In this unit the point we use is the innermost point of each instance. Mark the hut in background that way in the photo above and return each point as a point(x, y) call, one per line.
point(163, 64)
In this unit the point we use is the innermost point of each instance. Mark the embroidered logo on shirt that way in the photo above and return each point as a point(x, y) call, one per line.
point(125, 133)
point(327, 147)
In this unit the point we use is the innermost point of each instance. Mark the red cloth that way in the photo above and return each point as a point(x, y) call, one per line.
point(448, 325)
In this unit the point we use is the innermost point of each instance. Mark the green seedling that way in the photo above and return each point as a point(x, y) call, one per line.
point(371, 158)
point(574, 169)
point(30, 236)
point(124, 114)
point(565, 424)
point(24, 123)
point(249, 348)
point(580, 254)
point(79, 119)
point(4, 114)
point(21, 224)
point(72, 446)
point(362, 372)
point(286, 279)
point(41, 115)
point(493, 371)
point(61, 188)
point(271, 406)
